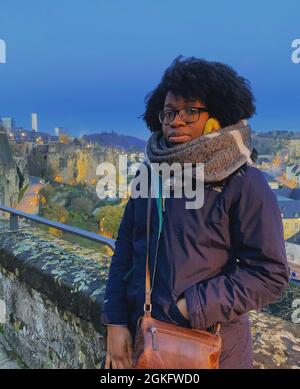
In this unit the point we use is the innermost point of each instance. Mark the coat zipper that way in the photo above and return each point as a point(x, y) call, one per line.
point(156, 249)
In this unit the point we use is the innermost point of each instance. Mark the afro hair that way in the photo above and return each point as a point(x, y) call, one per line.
point(227, 96)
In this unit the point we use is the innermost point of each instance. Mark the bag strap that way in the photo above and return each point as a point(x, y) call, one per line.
point(148, 289)
point(148, 305)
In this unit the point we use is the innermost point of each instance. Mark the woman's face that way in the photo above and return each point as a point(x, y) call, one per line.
point(178, 131)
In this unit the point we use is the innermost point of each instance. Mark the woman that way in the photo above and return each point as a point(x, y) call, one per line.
point(215, 263)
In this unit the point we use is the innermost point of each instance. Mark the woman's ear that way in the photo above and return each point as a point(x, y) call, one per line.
point(211, 125)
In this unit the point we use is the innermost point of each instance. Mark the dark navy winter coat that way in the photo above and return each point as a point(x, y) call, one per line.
point(226, 258)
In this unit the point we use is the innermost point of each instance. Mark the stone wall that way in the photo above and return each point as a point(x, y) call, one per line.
point(44, 334)
point(52, 298)
point(53, 293)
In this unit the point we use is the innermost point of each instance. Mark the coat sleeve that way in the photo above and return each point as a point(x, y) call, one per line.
point(262, 271)
point(114, 310)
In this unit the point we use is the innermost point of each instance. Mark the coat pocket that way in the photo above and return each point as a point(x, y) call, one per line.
point(177, 317)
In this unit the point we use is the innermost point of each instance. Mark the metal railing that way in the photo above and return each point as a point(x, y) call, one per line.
point(14, 225)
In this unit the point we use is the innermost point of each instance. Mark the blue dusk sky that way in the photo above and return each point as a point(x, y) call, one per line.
point(87, 65)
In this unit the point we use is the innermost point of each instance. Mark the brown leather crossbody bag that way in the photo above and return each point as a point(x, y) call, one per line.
point(162, 345)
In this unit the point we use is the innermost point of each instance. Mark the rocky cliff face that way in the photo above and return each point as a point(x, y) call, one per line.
point(13, 172)
point(67, 163)
point(73, 164)
point(9, 180)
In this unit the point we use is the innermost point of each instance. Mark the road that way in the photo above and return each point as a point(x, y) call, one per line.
point(30, 201)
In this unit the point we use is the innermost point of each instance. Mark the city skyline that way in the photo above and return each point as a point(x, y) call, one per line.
point(10, 124)
point(87, 67)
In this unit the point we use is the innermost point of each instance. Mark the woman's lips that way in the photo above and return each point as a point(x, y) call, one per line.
point(179, 138)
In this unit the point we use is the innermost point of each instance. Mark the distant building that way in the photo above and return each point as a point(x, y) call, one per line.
point(289, 205)
point(285, 178)
point(273, 183)
point(292, 246)
point(8, 123)
point(63, 138)
point(43, 149)
point(287, 193)
point(290, 212)
point(263, 163)
point(58, 131)
point(293, 173)
point(294, 147)
point(282, 178)
point(21, 148)
point(34, 122)
point(292, 170)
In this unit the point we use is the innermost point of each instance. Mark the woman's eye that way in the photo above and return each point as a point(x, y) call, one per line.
point(190, 111)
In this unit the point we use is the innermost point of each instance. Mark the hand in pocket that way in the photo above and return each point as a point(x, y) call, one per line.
point(182, 307)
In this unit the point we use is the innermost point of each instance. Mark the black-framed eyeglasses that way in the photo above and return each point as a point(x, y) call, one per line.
point(188, 115)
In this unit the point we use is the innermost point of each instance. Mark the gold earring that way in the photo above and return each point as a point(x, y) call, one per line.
point(211, 125)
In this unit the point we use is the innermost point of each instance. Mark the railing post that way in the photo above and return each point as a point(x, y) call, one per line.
point(13, 221)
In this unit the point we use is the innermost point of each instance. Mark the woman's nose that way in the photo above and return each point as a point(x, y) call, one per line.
point(177, 121)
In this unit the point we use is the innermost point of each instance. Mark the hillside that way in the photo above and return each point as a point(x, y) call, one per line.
point(112, 139)
point(273, 141)
point(264, 142)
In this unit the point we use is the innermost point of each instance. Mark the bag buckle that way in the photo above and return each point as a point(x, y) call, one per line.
point(147, 308)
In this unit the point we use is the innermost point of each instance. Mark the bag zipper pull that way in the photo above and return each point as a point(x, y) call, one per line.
point(217, 328)
point(163, 204)
point(153, 331)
